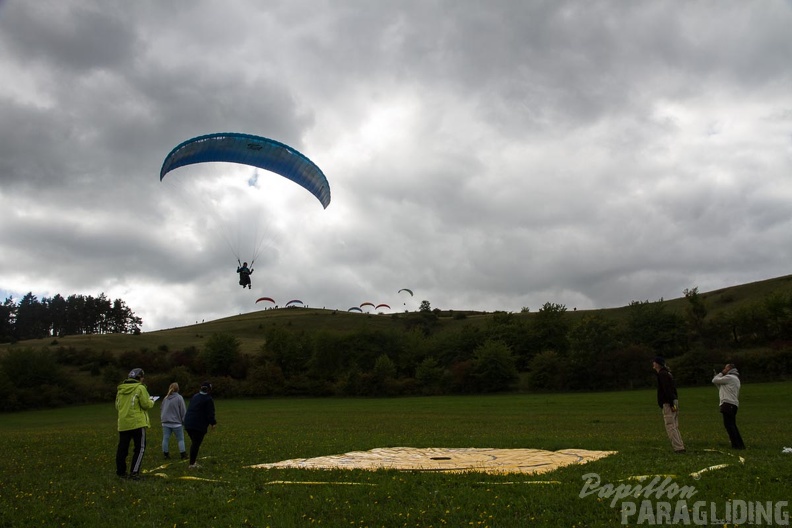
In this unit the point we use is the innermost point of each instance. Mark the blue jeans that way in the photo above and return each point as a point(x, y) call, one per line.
point(178, 432)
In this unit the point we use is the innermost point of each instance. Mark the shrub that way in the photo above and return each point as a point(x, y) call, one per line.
point(493, 368)
point(546, 372)
point(220, 353)
point(32, 368)
point(264, 380)
point(429, 376)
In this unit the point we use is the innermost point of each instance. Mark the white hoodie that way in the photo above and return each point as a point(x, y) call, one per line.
point(728, 387)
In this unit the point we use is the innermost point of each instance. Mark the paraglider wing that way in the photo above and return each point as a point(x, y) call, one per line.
point(367, 304)
point(354, 309)
point(407, 290)
point(382, 306)
point(270, 299)
point(251, 150)
point(294, 301)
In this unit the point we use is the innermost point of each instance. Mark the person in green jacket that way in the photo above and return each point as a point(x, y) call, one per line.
point(132, 403)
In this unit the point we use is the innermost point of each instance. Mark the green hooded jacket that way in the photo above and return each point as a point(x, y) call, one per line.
point(132, 403)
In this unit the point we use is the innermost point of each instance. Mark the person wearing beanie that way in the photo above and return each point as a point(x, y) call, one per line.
point(668, 401)
point(728, 383)
point(132, 403)
point(172, 413)
point(200, 416)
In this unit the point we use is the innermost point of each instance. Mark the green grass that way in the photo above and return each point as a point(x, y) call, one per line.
point(58, 465)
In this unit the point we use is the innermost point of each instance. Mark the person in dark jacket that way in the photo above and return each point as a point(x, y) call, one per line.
point(244, 276)
point(200, 416)
point(668, 401)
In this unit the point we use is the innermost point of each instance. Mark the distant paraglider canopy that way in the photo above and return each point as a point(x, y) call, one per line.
point(382, 306)
point(367, 304)
point(354, 309)
point(270, 299)
point(294, 301)
point(408, 291)
point(255, 151)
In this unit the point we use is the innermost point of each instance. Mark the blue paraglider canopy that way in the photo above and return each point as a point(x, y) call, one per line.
point(251, 150)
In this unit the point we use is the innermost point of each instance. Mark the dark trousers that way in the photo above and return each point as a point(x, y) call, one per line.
point(196, 438)
point(729, 413)
point(138, 436)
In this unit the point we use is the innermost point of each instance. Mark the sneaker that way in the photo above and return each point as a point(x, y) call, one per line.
point(166, 455)
point(134, 476)
point(184, 456)
point(194, 466)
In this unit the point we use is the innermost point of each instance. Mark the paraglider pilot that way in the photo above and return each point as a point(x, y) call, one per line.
point(244, 275)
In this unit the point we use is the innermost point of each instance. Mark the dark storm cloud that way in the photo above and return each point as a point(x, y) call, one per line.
point(69, 37)
point(491, 156)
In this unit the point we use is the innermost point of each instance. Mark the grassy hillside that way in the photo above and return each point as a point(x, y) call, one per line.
point(249, 327)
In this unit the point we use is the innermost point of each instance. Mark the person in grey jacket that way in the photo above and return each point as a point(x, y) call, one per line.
point(172, 414)
point(728, 382)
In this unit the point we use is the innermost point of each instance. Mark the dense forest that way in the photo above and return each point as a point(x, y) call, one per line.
point(58, 317)
point(429, 352)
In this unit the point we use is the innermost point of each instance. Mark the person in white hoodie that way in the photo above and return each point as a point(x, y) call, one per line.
point(728, 382)
point(172, 414)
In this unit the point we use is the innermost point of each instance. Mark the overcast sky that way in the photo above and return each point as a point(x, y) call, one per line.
point(487, 155)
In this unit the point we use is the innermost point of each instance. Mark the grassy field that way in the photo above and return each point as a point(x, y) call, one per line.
point(58, 465)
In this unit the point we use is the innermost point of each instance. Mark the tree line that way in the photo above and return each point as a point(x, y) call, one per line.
point(57, 316)
point(422, 354)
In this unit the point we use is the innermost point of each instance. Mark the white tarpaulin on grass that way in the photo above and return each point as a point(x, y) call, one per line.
point(484, 460)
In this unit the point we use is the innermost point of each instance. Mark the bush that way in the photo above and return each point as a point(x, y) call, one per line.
point(695, 367)
point(264, 380)
point(32, 368)
point(149, 360)
point(546, 372)
point(220, 353)
point(429, 377)
point(493, 368)
point(189, 358)
point(8, 396)
point(763, 365)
